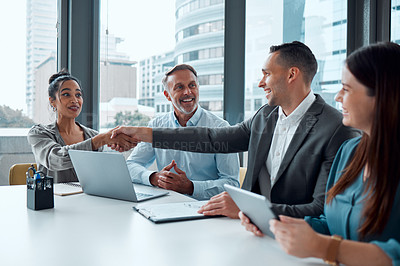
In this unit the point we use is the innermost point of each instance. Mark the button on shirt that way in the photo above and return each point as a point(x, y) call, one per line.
point(208, 172)
point(285, 129)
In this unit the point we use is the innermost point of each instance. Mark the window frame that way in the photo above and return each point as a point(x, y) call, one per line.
point(368, 22)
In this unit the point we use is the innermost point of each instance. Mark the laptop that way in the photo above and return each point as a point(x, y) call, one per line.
point(254, 206)
point(106, 175)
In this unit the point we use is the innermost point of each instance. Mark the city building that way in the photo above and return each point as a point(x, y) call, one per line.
point(151, 72)
point(41, 42)
point(118, 75)
point(117, 80)
point(199, 35)
point(395, 23)
point(319, 24)
point(43, 112)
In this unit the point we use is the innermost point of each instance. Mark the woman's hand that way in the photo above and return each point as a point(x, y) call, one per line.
point(249, 226)
point(297, 238)
point(120, 142)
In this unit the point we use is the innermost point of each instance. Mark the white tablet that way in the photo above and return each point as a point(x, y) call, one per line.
point(254, 206)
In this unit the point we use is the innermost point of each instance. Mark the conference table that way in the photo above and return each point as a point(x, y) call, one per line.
point(88, 230)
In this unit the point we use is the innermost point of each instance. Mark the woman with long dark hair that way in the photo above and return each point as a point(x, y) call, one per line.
point(363, 192)
point(50, 143)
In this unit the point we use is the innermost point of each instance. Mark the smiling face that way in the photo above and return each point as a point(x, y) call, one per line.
point(183, 91)
point(68, 100)
point(358, 107)
point(274, 81)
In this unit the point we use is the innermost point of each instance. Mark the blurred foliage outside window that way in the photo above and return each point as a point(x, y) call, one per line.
point(13, 118)
point(128, 119)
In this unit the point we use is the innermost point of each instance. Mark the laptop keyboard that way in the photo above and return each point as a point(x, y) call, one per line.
point(141, 196)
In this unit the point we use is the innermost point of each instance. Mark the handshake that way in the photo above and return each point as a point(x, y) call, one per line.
point(123, 138)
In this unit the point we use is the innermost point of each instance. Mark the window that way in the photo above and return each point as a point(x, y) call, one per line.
point(210, 79)
point(247, 105)
point(131, 78)
point(28, 53)
point(211, 105)
point(213, 26)
point(190, 56)
point(322, 25)
point(257, 104)
point(192, 6)
point(395, 21)
point(29, 60)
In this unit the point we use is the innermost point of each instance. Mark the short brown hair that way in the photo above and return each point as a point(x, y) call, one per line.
point(297, 54)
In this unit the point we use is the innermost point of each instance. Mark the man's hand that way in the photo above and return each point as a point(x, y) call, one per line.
point(221, 204)
point(122, 141)
point(168, 180)
point(249, 226)
point(144, 134)
point(154, 177)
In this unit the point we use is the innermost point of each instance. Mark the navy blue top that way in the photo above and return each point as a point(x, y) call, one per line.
point(343, 215)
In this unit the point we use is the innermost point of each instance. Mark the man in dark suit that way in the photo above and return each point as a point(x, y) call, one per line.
point(291, 141)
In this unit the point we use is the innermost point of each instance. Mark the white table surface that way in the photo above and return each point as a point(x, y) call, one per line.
point(89, 230)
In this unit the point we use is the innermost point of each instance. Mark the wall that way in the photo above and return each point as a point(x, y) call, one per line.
point(13, 149)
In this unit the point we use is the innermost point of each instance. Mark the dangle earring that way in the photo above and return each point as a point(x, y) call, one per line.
point(54, 109)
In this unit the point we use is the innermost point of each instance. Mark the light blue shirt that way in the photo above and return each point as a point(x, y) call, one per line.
point(208, 172)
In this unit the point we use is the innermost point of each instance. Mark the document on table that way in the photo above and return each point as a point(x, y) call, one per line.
point(171, 212)
point(65, 189)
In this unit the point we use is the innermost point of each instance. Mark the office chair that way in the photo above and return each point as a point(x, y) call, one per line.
point(17, 174)
point(242, 174)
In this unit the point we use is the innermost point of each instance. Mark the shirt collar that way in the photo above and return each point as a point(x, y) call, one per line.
point(300, 110)
point(193, 120)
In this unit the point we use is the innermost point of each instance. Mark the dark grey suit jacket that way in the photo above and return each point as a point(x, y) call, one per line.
point(299, 188)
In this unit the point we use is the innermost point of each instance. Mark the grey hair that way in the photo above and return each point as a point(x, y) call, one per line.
point(176, 68)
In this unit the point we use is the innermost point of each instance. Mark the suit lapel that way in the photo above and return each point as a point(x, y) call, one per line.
point(306, 125)
point(265, 143)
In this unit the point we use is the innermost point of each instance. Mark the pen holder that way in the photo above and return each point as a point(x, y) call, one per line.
point(39, 191)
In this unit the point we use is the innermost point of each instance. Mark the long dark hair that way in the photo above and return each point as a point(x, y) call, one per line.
point(376, 67)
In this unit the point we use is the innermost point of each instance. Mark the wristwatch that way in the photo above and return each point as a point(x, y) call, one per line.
point(333, 248)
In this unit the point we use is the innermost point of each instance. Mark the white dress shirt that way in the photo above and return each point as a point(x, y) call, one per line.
point(285, 129)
